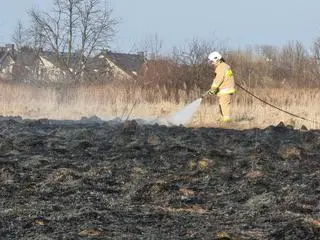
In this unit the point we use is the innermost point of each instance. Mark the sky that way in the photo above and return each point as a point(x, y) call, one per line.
point(233, 23)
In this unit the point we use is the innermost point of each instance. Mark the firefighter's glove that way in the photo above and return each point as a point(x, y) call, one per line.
point(213, 91)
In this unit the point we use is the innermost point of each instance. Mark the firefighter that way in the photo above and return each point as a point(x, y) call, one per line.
point(223, 84)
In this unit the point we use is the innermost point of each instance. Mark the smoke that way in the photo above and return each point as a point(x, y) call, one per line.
point(181, 117)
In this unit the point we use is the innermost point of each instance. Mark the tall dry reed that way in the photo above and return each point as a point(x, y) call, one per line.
point(110, 101)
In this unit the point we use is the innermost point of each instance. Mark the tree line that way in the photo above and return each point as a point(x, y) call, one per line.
point(87, 26)
point(261, 66)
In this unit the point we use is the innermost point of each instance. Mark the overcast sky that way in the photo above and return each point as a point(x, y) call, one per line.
point(234, 23)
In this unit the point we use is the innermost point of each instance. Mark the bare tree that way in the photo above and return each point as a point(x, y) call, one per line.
point(269, 52)
point(74, 30)
point(294, 56)
point(19, 36)
point(316, 49)
point(197, 72)
point(152, 46)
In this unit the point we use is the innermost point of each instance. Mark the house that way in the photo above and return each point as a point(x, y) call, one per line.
point(122, 65)
point(57, 68)
point(104, 66)
point(7, 60)
point(40, 66)
point(26, 68)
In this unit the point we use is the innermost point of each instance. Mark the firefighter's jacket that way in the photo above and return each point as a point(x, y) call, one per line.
point(224, 80)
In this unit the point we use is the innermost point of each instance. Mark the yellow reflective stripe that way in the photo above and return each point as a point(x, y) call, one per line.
point(215, 85)
point(226, 119)
point(229, 73)
point(226, 91)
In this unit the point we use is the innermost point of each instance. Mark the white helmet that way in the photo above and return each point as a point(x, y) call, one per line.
point(214, 57)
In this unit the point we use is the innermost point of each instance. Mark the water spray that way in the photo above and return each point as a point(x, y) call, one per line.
point(184, 115)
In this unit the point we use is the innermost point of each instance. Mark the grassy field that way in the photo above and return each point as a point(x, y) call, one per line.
point(108, 102)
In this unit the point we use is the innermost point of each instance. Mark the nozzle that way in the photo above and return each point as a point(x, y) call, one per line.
point(204, 94)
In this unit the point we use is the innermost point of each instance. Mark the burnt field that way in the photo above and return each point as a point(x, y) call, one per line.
point(90, 179)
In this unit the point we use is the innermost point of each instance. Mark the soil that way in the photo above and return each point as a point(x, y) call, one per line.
point(93, 179)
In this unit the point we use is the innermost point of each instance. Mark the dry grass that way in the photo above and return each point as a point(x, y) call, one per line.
point(108, 102)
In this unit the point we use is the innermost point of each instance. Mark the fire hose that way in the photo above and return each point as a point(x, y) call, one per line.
point(270, 104)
